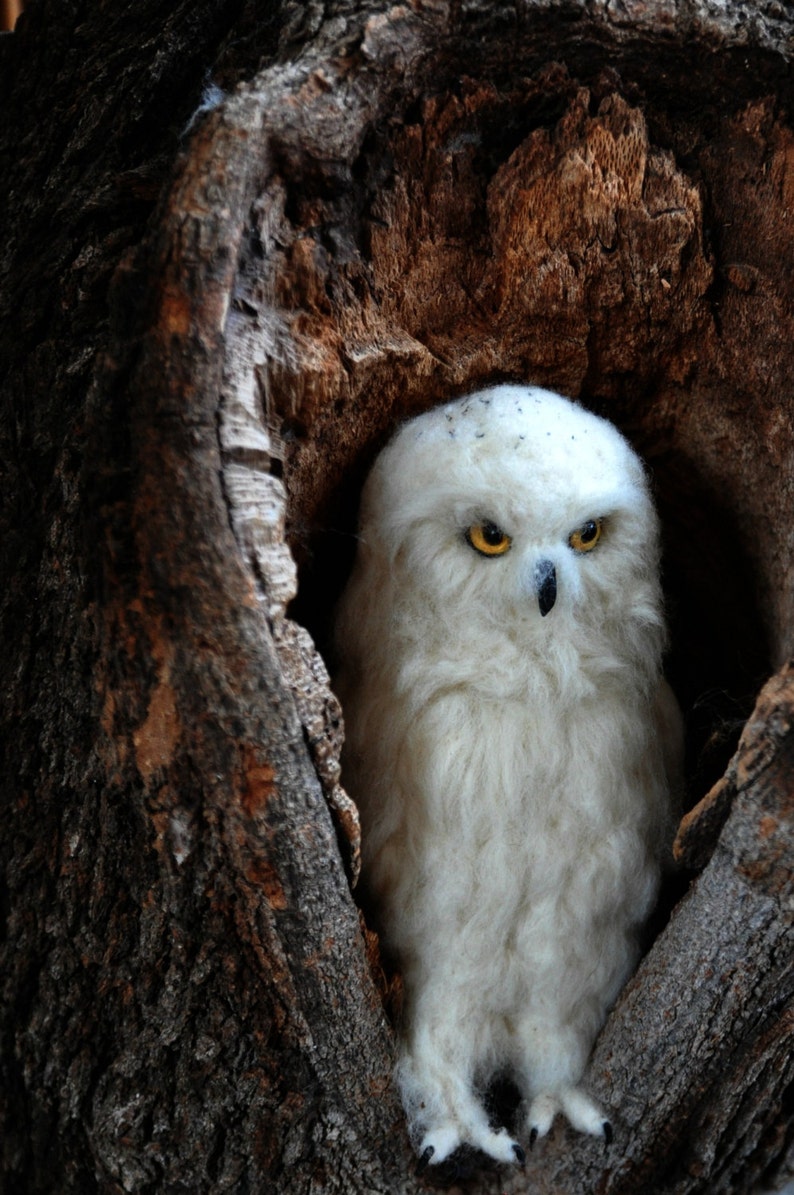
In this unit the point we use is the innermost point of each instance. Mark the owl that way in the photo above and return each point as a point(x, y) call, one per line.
point(512, 746)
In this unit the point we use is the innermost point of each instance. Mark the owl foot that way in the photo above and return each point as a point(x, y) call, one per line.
point(578, 1108)
point(424, 1161)
point(439, 1143)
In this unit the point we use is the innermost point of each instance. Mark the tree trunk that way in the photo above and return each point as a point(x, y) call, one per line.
point(241, 241)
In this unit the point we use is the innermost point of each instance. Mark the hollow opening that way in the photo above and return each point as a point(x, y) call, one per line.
point(581, 238)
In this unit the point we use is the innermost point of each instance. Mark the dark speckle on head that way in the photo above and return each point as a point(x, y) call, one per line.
point(479, 435)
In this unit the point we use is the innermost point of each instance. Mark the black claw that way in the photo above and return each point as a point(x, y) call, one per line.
point(424, 1161)
point(533, 1136)
point(521, 1157)
point(607, 1131)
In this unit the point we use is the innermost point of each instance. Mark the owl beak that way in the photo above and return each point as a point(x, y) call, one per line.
point(545, 577)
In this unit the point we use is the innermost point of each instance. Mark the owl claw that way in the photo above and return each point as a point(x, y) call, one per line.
point(541, 1114)
point(438, 1143)
point(424, 1161)
point(497, 1145)
point(582, 1112)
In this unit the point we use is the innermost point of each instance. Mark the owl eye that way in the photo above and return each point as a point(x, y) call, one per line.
point(488, 539)
point(585, 538)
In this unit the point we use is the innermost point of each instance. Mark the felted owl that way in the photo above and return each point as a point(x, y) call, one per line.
point(512, 746)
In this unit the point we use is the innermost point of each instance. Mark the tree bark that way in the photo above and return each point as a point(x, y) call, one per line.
point(241, 242)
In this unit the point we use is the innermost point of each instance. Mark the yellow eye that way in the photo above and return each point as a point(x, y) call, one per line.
point(585, 538)
point(488, 539)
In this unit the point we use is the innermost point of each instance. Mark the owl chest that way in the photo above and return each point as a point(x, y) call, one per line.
point(522, 788)
point(522, 822)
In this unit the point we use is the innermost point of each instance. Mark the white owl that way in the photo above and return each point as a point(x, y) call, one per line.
point(512, 747)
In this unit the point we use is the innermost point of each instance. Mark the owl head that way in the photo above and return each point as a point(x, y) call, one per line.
point(513, 518)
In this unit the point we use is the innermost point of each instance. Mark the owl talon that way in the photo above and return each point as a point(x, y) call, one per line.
point(424, 1161)
point(441, 1142)
point(438, 1143)
point(541, 1114)
point(533, 1136)
point(609, 1135)
point(584, 1113)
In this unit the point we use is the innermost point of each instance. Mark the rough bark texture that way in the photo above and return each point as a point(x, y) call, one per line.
point(383, 207)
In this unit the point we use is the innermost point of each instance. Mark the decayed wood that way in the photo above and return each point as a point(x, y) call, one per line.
point(409, 201)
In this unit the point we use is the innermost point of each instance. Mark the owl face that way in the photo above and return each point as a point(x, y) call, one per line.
point(516, 511)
